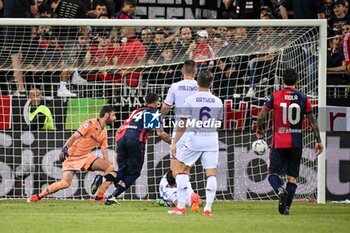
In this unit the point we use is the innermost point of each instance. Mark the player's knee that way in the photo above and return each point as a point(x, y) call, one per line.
point(110, 168)
point(292, 179)
point(272, 175)
point(110, 176)
point(64, 184)
point(210, 172)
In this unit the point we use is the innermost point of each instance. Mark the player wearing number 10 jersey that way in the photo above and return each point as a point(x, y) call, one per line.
point(289, 107)
point(200, 114)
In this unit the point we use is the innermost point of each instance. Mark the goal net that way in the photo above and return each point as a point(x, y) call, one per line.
point(84, 66)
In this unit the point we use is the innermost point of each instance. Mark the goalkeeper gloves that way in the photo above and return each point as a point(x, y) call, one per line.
point(64, 153)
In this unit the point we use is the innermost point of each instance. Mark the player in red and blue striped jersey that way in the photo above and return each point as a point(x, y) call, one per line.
point(131, 139)
point(289, 107)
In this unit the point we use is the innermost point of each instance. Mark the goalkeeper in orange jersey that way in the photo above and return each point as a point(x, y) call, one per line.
point(76, 154)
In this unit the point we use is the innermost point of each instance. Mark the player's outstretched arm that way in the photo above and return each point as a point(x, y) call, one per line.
point(64, 152)
point(260, 134)
point(165, 109)
point(164, 136)
point(314, 126)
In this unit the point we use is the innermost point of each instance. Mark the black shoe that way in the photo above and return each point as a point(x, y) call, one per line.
point(286, 211)
point(111, 201)
point(282, 195)
point(96, 184)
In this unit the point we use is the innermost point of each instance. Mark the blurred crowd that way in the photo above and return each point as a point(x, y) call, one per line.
point(85, 55)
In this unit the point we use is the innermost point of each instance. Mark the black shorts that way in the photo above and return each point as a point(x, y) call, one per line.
point(285, 161)
point(130, 155)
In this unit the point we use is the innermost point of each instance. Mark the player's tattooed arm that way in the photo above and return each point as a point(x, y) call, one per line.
point(314, 126)
point(164, 136)
point(260, 123)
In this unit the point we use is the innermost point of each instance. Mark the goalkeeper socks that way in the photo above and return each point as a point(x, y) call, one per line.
point(291, 188)
point(275, 182)
point(210, 192)
point(181, 183)
point(100, 194)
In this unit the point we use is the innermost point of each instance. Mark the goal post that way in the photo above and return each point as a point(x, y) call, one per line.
point(247, 58)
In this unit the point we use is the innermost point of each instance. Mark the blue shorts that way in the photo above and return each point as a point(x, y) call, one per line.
point(284, 161)
point(130, 156)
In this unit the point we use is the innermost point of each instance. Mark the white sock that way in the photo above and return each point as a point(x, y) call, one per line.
point(63, 85)
point(210, 192)
point(181, 183)
point(189, 188)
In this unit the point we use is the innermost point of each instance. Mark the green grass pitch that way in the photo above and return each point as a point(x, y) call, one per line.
point(144, 216)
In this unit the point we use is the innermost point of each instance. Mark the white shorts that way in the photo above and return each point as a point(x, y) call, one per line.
point(209, 159)
point(181, 143)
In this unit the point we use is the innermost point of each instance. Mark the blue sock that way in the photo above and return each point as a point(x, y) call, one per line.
point(275, 182)
point(291, 188)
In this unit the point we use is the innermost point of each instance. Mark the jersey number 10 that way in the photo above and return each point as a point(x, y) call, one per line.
point(287, 113)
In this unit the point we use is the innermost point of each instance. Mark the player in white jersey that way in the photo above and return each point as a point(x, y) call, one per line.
point(168, 192)
point(176, 96)
point(179, 91)
point(201, 115)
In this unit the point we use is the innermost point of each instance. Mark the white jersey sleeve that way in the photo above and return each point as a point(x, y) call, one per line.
point(170, 97)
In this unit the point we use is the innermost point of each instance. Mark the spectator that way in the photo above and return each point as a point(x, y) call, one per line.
point(67, 38)
point(71, 9)
point(222, 31)
point(146, 36)
point(101, 55)
point(157, 47)
point(339, 18)
point(227, 10)
point(131, 53)
point(219, 45)
point(168, 73)
point(128, 10)
point(265, 10)
point(225, 79)
point(328, 8)
point(16, 35)
point(182, 46)
point(335, 61)
point(260, 68)
point(36, 113)
point(303, 9)
point(200, 51)
point(247, 9)
point(45, 11)
point(147, 41)
point(100, 7)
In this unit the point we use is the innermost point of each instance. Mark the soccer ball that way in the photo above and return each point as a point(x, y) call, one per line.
point(259, 147)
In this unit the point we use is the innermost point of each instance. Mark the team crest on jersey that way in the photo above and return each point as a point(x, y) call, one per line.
point(151, 120)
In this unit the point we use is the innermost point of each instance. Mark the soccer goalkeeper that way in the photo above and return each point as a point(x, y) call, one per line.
point(76, 154)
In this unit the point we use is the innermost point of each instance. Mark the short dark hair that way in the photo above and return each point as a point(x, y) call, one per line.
point(190, 66)
point(290, 77)
point(107, 109)
point(170, 178)
point(205, 79)
point(151, 98)
point(130, 2)
point(180, 29)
